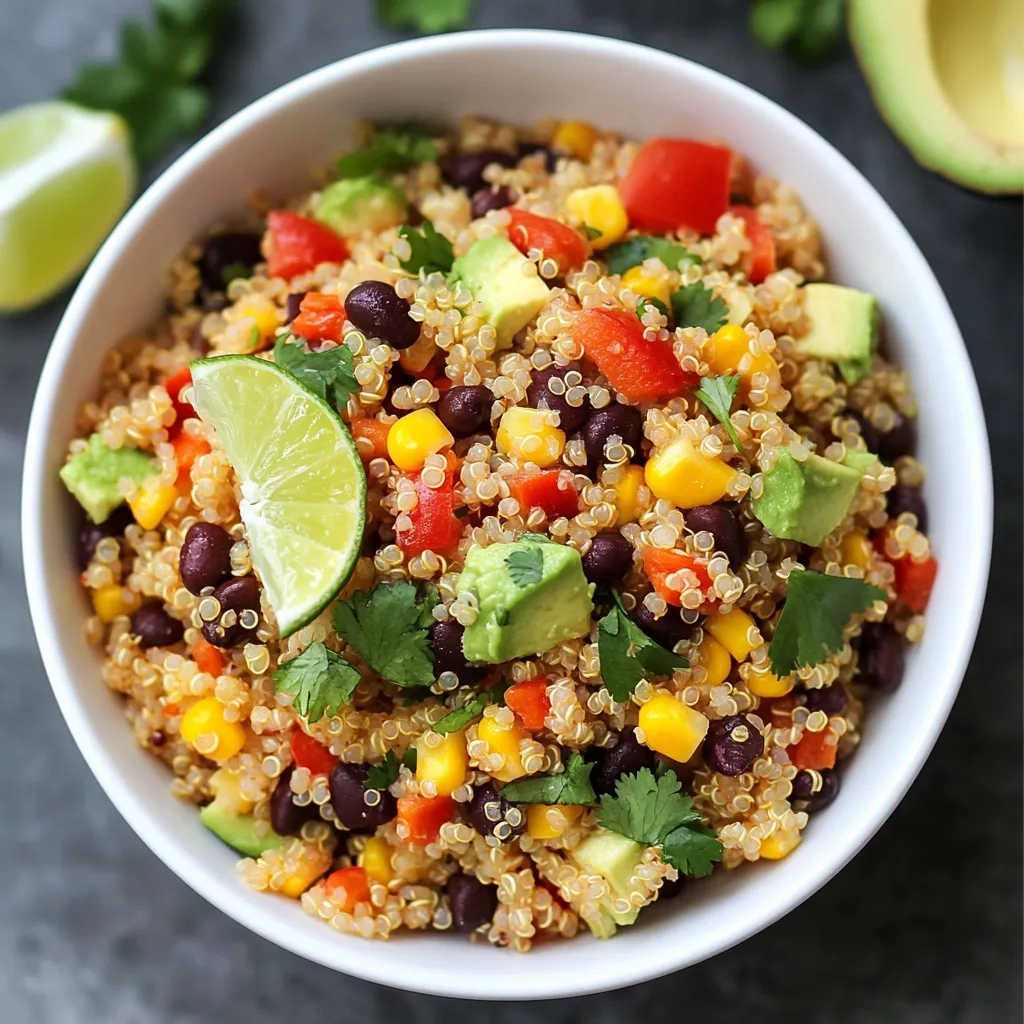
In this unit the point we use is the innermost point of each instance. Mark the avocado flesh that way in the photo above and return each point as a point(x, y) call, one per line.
point(238, 830)
point(614, 858)
point(357, 206)
point(92, 475)
point(843, 327)
point(516, 620)
point(943, 76)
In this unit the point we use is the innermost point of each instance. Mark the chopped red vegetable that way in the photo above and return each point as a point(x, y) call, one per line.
point(529, 700)
point(321, 318)
point(186, 450)
point(424, 816)
point(815, 750)
point(432, 523)
point(914, 582)
point(760, 262)
point(312, 755)
point(349, 887)
point(299, 244)
point(659, 564)
point(174, 385)
point(208, 658)
point(556, 240)
point(677, 183)
point(546, 491)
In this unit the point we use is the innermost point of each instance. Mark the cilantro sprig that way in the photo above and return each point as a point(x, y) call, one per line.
point(388, 627)
point(472, 709)
point(642, 304)
point(525, 566)
point(431, 251)
point(328, 374)
point(624, 255)
point(651, 810)
point(383, 773)
point(817, 609)
point(391, 149)
point(570, 787)
point(809, 30)
point(320, 680)
point(426, 16)
point(717, 393)
point(695, 305)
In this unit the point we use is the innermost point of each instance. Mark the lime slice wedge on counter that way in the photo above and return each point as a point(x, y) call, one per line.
point(303, 483)
point(66, 176)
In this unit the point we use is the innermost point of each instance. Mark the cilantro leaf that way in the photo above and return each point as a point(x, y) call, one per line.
point(472, 709)
point(431, 251)
point(631, 253)
point(388, 627)
point(409, 759)
point(391, 149)
point(525, 566)
point(647, 301)
point(536, 538)
point(807, 29)
point(382, 774)
point(693, 850)
point(570, 787)
point(717, 393)
point(320, 680)
point(425, 16)
point(233, 270)
point(591, 232)
point(816, 610)
point(697, 306)
point(328, 374)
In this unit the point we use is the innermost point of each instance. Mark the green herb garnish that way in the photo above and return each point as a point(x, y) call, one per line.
point(384, 773)
point(525, 566)
point(320, 680)
point(233, 271)
point(425, 16)
point(472, 709)
point(808, 30)
point(431, 251)
point(697, 306)
point(631, 253)
point(591, 232)
point(717, 393)
point(328, 374)
point(656, 303)
point(409, 759)
point(570, 787)
point(254, 338)
point(391, 149)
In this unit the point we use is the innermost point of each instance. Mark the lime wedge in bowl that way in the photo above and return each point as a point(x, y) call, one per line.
point(303, 483)
point(66, 176)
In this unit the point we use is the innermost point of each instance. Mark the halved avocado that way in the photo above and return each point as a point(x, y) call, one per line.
point(947, 76)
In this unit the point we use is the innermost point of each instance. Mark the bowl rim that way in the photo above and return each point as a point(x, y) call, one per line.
point(240, 904)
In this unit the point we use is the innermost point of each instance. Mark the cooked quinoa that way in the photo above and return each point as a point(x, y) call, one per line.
point(764, 752)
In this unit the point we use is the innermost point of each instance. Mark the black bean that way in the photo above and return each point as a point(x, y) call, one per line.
point(525, 149)
point(466, 409)
point(495, 197)
point(92, 533)
point(815, 789)
point(235, 595)
point(496, 823)
point(623, 420)
point(157, 738)
point(908, 499)
point(667, 629)
point(154, 627)
point(670, 889)
point(225, 251)
point(724, 525)
point(472, 902)
point(609, 558)
point(467, 169)
point(379, 311)
point(348, 798)
point(293, 306)
point(286, 816)
point(539, 394)
point(627, 757)
point(891, 444)
point(205, 557)
point(830, 699)
point(881, 656)
point(732, 745)
point(446, 643)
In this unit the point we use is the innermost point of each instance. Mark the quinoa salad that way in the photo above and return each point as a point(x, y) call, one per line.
point(506, 534)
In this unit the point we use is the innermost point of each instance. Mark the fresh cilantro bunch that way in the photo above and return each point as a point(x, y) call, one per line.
point(426, 16)
point(570, 787)
point(717, 393)
point(320, 680)
point(624, 255)
point(808, 30)
point(696, 305)
point(472, 709)
point(651, 810)
point(152, 83)
point(431, 251)
point(328, 374)
point(391, 149)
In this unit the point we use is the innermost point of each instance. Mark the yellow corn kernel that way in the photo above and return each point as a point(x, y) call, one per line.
point(767, 684)
point(671, 728)
point(445, 764)
point(528, 435)
point(727, 351)
point(736, 632)
point(415, 436)
point(599, 207)
point(311, 867)
point(206, 717)
point(539, 819)
point(151, 502)
point(680, 474)
point(856, 549)
point(715, 659)
point(650, 286)
point(108, 602)
point(627, 497)
point(576, 138)
point(375, 860)
point(780, 844)
point(264, 314)
point(227, 791)
point(504, 740)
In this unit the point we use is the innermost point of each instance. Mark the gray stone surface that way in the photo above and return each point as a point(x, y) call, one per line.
point(923, 927)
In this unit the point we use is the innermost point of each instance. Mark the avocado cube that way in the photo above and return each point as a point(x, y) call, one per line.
point(530, 596)
point(843, 330)
point(492, 269)
point(807, 500)
point(92, 475)
point(357, 206)
point(614, 858)
point(238, 830)
point(858, 460)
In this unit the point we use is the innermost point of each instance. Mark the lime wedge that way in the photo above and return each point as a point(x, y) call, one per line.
point(303, 483)
point(66, 176)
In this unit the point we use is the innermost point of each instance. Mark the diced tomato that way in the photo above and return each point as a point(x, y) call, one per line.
point(545, 491)
point(556, 240)
point(349, 887)
point(299, 244)
point(174, 385)
point(815, 750)
point(760, 262)
point(207, 657)
point(529, 700)
point(677, 183)
point(375, 433)
point(432, 522)
point(914, 582)
point(637, 367)
point(186, 450)
point(312, 755)
point(659, 564)
point(425, 815)
point(321, 318)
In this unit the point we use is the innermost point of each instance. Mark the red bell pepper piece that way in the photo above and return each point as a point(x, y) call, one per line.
point(637, 367)
point(208, 658)
point(174, 385)
point(529, 700)
point(186, 450)
point(914, 582)
point(321, 318)
point(432, 522)
point(312, 755)
point(760, 261)
point(677, 183)
point(815, 750)
point(560, 242)
point(425, 815)
point(299, 244)
point(349, 887)
point(545, 491)
point(659, 564)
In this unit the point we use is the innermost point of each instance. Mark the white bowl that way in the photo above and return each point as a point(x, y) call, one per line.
point(519, 76)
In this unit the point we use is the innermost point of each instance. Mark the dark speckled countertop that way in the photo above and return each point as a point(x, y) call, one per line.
point(923, 927)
